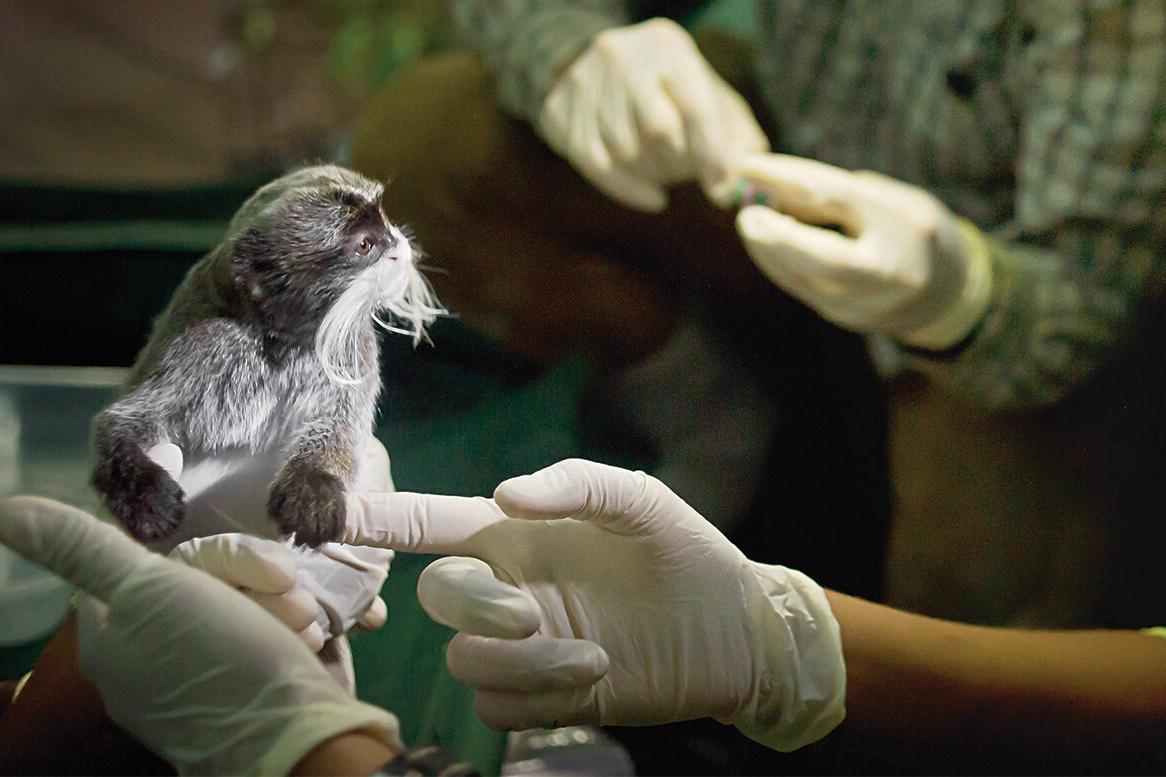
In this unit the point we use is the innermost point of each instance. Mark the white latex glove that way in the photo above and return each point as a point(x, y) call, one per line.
point(263, 571)
point(200, 674)
point(641, 109)
point(903, 265)
point(230, 492)
point(602, 597)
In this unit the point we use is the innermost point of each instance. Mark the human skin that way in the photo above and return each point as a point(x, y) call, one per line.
point(935, 692)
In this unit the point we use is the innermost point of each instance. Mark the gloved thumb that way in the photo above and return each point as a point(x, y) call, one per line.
point(462, 593)
point(94, 556)
point(620, 500)
point(761, 226)
point(241, 560)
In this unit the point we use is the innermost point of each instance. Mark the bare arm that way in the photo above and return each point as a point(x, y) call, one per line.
point(934, 692)
point(350, 753)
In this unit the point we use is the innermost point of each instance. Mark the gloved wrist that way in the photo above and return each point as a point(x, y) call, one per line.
point(799, 678)
point(966, 253)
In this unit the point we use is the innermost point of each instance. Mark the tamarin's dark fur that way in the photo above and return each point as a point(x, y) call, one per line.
point(269, 345)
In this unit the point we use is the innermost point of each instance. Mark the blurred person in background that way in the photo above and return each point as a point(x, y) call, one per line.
point(1002, 264)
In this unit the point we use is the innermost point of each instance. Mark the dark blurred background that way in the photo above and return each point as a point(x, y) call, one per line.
point(131, 131)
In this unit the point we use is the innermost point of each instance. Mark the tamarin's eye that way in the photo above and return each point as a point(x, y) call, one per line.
point(365, 245)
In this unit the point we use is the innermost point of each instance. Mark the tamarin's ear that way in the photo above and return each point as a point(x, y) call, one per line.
point(251, 262)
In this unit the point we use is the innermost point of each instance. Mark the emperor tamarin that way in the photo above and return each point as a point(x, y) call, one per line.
point(268, 346)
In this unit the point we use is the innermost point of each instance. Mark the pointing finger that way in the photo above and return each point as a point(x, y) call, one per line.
point(417, 523)
point(464, 594)
point(92, 555)
point(241, 560)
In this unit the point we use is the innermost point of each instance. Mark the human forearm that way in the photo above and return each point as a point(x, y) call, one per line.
point(350, 753)
point(939, 692)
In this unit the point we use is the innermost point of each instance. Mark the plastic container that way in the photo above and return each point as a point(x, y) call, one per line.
point(32, 601)
point(45, 414)
point(569, 751)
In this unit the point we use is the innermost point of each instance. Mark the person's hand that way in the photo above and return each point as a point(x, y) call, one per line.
point(596, 595)
point(341, 583)
point(199, 673)
point(901, 263)
point(262, 570)
point(641, 109)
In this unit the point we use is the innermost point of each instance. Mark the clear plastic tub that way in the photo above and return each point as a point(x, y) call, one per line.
point(32, 601)
point(45, 414)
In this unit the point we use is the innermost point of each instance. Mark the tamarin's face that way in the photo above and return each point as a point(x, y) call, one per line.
point(313, 250)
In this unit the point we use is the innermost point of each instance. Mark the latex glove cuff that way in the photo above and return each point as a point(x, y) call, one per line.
point(799, 693)
point(964, 256)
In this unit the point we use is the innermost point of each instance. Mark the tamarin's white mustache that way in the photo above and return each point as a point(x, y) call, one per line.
point(394, 286)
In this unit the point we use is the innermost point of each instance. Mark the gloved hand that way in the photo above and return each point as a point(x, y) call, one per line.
point(228, 493)
point(200, 674)
point(263, 571)
point(602, 597)
point(641, 109)
point(903, 265)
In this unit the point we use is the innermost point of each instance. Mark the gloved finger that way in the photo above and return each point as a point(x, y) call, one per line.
point(375, 616)
point(580, 128)
point(660, 120)
point(296, 608)
point(918, 206)
point(617, 125)
point(787, 279)
point(168, 456)
point(773, 238)
point(463, 593)
point(536, 663)
point(622, 500)
point(623, 186)
point(417, 523)
point(576, 136)
point(505, 711)
point(241, 560)
point(808, 190)
point(94, 556)
point(718, 178)
point(313, 637)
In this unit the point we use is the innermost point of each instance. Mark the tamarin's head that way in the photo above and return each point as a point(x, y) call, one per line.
point(314, 255)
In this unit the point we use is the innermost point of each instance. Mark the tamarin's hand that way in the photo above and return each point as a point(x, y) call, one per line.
point(137, 490)
point(308, 502)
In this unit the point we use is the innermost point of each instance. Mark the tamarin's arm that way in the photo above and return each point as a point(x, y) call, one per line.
point(307, 496)
point(136, 490)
